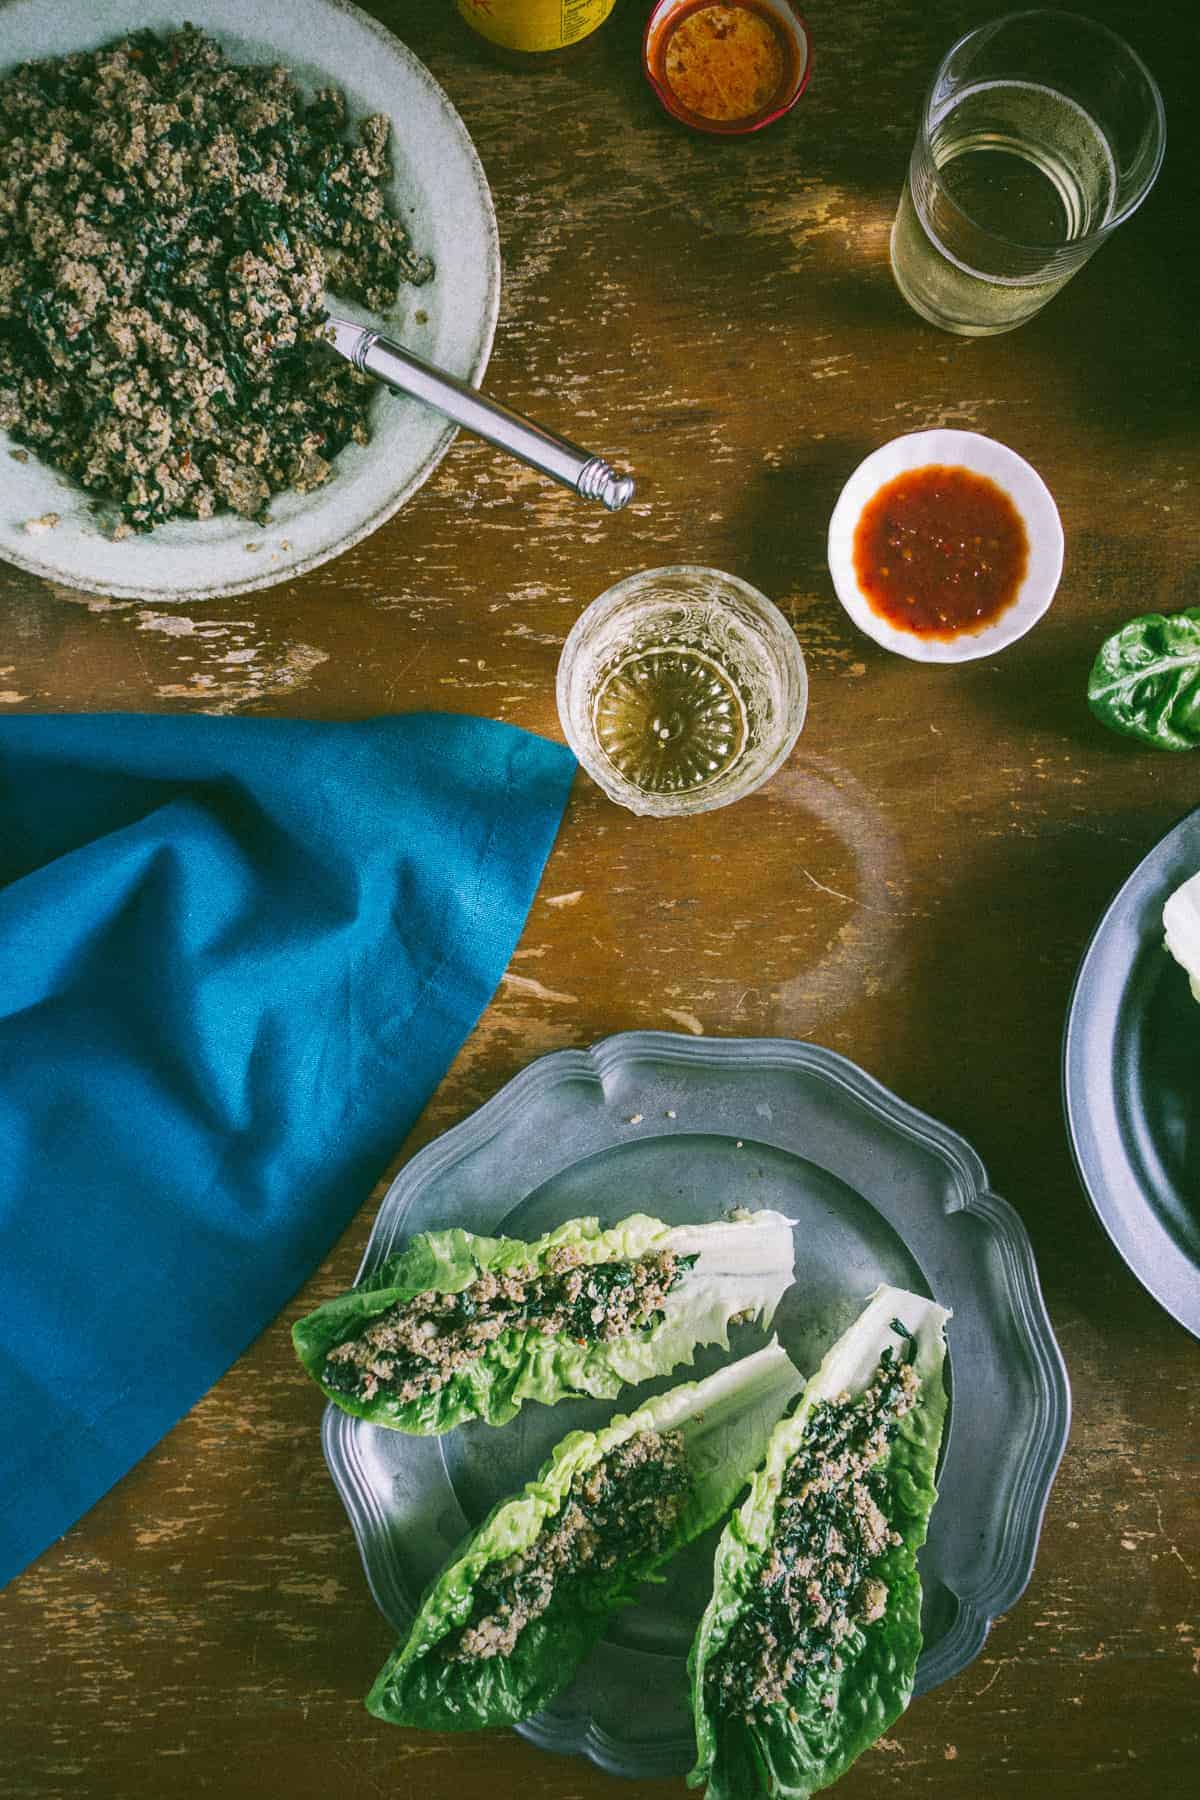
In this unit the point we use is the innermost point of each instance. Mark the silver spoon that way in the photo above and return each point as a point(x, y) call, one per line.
point(578, 469)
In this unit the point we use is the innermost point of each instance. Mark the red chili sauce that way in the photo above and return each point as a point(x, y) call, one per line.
point(939, 551)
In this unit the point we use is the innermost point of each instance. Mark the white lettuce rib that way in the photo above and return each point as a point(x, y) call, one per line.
point(850, 1365)
point(754, 1254)
point(1181, 923)
point(743, 1268)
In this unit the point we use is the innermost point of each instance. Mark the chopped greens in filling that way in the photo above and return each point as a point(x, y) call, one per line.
point(629, 1503)
point(817, 1581)
point(415, 1348)
point(168, 224)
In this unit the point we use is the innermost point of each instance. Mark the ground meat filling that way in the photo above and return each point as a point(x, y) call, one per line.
point(415, 1348)
point(816, 1583)
point(168, 223)
point(628, 1504)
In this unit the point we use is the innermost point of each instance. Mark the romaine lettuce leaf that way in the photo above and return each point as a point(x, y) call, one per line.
point(742, 1267)
point(788, 1751)
point(726, 1422)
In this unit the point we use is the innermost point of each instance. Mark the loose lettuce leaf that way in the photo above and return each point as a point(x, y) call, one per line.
point(1145, 681)
point(1181, 926)
point(726, 1421)
point(741, 1267)
point(789, 1757)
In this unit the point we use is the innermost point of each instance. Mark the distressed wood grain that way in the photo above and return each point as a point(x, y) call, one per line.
point(914, 889)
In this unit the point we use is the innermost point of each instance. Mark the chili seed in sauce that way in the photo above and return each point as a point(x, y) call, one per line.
point(939, 551)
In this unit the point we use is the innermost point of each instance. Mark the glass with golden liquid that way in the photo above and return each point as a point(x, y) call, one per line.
point(681, 689)
point(1042, 132)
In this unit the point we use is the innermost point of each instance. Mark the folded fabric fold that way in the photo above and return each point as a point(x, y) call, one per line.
point(236, 957)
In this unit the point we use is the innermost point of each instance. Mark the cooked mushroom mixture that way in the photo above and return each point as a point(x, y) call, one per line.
point(168, 224)
point(415, 1348)
point(627, 1504)
point(816, 1583)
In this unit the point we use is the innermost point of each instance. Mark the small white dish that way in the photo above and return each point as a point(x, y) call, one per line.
point(982, 456)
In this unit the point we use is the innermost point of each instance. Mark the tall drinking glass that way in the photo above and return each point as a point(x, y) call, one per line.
point(1042, 132)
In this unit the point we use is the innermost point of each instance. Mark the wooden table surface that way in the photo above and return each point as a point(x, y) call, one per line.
point(914, 889)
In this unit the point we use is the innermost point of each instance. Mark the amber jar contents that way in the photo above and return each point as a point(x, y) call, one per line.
point(724, 61)
point(939, 551)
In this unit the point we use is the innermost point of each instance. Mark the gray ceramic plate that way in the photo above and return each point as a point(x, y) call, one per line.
point(685, 1128)
point(439, 189)
point(1130, 1056)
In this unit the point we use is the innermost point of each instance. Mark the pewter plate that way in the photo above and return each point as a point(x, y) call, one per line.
point(686, 1128)
point(1130, 1055)
point(440, 191)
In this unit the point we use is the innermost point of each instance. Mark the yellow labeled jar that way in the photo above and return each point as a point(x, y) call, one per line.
point(532, 25)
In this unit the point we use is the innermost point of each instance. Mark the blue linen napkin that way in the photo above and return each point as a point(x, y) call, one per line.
point(236, 957)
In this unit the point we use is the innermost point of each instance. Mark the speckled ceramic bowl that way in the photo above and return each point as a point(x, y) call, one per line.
point(441, 191)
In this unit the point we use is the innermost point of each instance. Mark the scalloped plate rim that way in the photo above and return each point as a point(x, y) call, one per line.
point(977, 1608)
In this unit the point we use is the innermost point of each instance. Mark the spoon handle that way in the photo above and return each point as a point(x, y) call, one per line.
point(578, 469)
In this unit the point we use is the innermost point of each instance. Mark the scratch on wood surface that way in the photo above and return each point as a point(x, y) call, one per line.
point(94, 603)
point(180, 625)
point(688, 1020)
point(564, 899)
point(410, 1752)
point(551, 639)
point(162, 1534)
point(522, 984)
point(1001, 1662)
point(284, 670)
point(836, 894)
point(326, 1592)
point(1174, 1550)
point(243, 667)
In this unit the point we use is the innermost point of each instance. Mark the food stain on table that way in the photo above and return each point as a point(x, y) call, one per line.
point(865, 954)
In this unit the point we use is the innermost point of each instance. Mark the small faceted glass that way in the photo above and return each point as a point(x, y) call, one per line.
point(1042, 132)
point(681, 689)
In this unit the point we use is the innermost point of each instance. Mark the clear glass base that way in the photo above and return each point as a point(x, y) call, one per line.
point(960, 327)
point(681, 690)
point(951, 296)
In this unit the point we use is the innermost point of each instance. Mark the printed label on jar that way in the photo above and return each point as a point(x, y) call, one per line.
point(534, 24)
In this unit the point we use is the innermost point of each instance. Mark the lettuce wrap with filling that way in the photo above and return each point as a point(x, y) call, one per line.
point(808, 1647)
point(506, 1624)
point(459, 1327)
